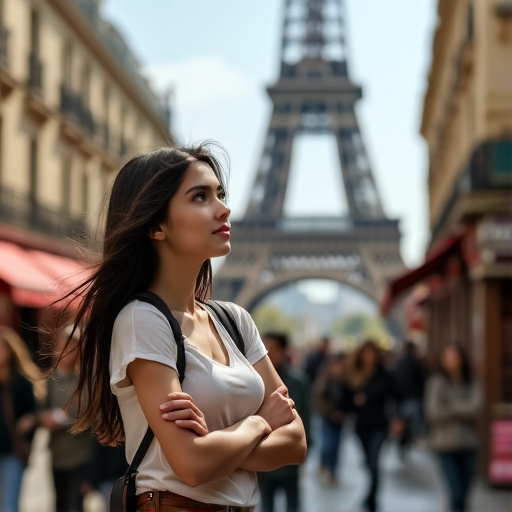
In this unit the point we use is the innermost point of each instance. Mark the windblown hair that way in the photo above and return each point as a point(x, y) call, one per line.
point(139, 201)
point(357, 374)
point(21, 361)
point(466, 370)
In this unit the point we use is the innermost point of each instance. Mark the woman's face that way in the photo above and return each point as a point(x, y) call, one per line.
point(451, 361)
point(369, 357)
point(197, 224)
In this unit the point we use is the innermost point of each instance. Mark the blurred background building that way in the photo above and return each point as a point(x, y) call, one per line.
point(73, 106)
point(463, 291)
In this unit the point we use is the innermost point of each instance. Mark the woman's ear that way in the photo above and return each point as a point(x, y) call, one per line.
point(156, 233)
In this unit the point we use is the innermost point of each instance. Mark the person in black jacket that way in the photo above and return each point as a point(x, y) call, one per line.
point(330, 404)
point(375, 401)
point(18, 373)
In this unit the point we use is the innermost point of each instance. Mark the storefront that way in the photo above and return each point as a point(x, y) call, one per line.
point(31, 283)
point(466, 296)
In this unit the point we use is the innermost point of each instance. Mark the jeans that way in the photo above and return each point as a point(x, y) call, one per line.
point(269, 484)
point(68, 496)
point(11, 474)
point(458, 469)
point(330, 444)
point(371, 443)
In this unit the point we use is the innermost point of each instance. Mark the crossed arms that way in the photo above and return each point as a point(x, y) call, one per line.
point(271, 438)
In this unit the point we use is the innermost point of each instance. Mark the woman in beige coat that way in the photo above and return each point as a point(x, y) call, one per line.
point(452, 406)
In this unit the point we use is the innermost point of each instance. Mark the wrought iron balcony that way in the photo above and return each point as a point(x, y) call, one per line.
point(25, 211)
point(73, 107)
point(35, 72)
point(4, 46)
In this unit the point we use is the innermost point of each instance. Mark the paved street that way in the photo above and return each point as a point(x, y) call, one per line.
point(410, 486)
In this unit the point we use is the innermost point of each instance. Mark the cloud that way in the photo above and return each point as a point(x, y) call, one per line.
point(201, 81)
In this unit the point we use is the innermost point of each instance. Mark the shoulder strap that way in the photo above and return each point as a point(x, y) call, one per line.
point(229, 323)
point(158, 303)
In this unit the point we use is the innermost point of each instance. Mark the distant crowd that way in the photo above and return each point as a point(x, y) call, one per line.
point(381, 394)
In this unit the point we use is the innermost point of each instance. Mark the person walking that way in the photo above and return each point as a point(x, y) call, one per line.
point(453, 402)
point(375, 401)
point(410, 374)
point(297, 383)
point(330, 398)
point(70, 454)
point(316, 359)
point(20, 385)
point(229, 414)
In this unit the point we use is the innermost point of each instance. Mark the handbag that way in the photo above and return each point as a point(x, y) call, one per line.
point(123, 495)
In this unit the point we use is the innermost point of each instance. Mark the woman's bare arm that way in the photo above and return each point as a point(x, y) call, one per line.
point(287, 443)
point(195, 460)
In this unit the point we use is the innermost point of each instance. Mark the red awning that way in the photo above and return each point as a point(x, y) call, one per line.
point(36, 279)
point(436, 258)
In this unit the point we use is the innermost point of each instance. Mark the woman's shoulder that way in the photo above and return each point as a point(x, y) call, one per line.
point(138, 311)
point(237, 312)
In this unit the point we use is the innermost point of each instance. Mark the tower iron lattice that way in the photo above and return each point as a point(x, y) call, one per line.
point(314, 94)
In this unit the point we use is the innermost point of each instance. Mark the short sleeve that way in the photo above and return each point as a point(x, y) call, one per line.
point(140, 332)
point(254, 348)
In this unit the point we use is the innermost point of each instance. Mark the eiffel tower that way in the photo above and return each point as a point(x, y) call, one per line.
point(313, 94)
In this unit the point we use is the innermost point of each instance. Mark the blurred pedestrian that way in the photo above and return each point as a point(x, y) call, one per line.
point(316, 359)
point(20, 381)
point(70, 454)
point(410, 375)
point(285, 478)
point(107, 464)
point(453, 403)
point(375, 400)
point(330, 397)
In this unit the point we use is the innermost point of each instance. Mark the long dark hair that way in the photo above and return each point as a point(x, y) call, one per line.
point(139, 201)
point(466, 372)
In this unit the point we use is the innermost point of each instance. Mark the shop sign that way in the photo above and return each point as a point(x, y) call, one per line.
point(500, 464)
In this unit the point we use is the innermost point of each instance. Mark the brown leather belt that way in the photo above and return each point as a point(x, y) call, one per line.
point(165, 501)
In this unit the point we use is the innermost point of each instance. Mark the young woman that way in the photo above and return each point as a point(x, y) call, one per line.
point(452, 405)
point(374, 399)
point(166, 218)
point(20, 382)
point(331, 404)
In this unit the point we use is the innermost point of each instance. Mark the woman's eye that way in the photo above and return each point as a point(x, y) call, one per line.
point(222, 196)
point(201, 196)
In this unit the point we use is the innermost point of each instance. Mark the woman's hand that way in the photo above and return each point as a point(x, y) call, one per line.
point(278, 409)
point(183, 411)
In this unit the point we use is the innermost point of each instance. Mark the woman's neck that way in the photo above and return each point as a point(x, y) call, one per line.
point(175, 284)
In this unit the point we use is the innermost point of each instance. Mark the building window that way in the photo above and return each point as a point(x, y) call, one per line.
point(85, 192)
point(67, 64)
point(35, 67)
point(85, 84)
point(106, 117)
point(33, 169)
point(66, 184)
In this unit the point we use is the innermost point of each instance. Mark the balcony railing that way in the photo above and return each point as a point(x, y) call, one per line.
point(35, 72)
point(4, 46)
point(72, 106)
point(25, 211)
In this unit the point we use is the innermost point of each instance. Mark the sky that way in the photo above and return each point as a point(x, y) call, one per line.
point(218, 57)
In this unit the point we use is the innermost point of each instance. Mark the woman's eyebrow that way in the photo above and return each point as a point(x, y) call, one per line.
point(203, 188)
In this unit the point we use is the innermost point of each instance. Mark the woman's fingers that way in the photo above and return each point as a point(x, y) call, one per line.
point(199, 428)
point(177, 404)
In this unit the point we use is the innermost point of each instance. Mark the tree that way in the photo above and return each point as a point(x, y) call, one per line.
point(269, 318)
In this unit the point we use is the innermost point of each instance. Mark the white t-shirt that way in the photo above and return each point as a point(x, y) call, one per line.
point(225, 394)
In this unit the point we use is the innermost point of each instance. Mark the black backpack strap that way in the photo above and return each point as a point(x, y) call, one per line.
point(225, 318)
point(141, 452)
point(158, 303)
